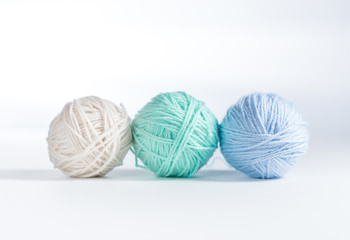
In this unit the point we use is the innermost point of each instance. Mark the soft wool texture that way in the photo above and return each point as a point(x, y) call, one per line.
point(263, 135)
point(89, 137)
point(174, 135)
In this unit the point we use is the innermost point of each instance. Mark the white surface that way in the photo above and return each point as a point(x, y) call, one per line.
point(132, 204)
point(128, 51)
point(311, 202)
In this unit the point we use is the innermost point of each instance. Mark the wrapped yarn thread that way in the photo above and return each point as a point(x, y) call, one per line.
point(174, 135)
point(89, 137)
point(262, 135)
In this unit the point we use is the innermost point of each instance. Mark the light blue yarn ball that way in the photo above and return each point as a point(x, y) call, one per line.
point(262, 135)
point(174, 135)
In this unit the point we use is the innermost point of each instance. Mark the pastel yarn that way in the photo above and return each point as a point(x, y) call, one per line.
point(174, 135)
point(89, 137)
point(262, 135)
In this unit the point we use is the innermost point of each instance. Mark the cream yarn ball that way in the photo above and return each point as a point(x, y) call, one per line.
point(89, 137)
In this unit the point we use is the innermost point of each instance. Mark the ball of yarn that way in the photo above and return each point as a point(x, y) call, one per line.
point(89, 137)
point(174, 135)
point(262, 135)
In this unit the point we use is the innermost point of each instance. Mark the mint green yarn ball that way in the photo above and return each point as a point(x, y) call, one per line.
point(174, 135)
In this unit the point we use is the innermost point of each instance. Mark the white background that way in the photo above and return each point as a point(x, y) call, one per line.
point(128, 51)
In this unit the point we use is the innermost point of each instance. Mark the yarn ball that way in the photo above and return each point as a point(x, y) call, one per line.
point(262, 135)
point(174, 135)
point(89, 137)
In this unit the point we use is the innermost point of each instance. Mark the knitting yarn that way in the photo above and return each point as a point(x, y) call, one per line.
point(174, 135)
point(89, 137)
point(262, 135)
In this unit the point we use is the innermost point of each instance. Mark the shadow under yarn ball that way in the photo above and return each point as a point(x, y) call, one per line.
point(174, 135)
point(89, 137)
point(262, 135)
